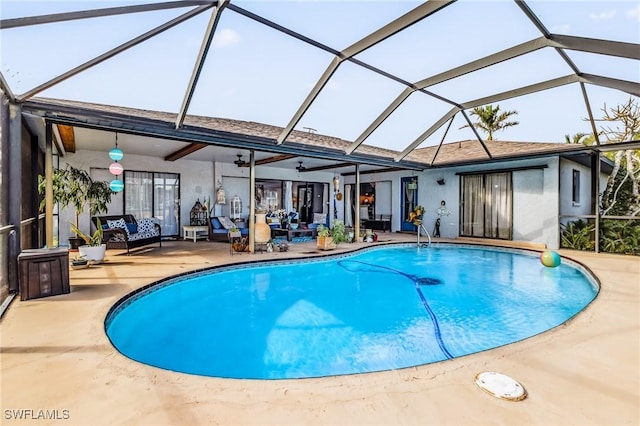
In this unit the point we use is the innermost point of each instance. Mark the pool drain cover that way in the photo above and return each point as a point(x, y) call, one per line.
point(500, 386)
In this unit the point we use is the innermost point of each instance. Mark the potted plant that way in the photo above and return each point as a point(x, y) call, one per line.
point(74, 187)
point(328, 239)
point(94, 249)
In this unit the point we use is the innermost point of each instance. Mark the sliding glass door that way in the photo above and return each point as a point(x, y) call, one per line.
point(487, 206)
point(157, 195)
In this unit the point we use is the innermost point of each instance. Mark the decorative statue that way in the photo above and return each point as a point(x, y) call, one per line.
point(440, 211)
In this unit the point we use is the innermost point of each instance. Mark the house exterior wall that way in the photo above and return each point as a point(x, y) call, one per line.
point(535, 199)
point(567, 207)
point(536, 195)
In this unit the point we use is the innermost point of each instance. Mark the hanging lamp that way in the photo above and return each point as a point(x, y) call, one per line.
point(116, 168)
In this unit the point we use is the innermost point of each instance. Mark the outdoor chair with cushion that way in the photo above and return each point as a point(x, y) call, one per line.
point(125, 232)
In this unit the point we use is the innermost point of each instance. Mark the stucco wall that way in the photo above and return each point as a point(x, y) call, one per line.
point(528, 205)
point(535, 199)
point(567, 207)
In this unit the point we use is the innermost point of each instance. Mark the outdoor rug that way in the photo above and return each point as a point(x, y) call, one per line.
point(293, 240)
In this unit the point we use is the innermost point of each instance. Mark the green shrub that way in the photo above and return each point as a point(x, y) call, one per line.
point(620, 236)
point(578, 235)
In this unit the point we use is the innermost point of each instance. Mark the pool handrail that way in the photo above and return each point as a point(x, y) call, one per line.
point(421, 226)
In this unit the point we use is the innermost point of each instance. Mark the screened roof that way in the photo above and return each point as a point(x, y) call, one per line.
point(394, 75)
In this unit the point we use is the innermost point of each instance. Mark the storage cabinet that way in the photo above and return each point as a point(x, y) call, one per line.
point(43, 272)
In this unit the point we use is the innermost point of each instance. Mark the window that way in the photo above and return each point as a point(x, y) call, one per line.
point(487, 206)
point(575, 194)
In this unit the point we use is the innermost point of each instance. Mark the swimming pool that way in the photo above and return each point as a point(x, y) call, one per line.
point(376, 309)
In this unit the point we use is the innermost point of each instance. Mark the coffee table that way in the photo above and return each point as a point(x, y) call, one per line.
point(195, 232)
point(290, 233)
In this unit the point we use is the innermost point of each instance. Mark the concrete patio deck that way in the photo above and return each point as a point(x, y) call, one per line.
point(56, 357)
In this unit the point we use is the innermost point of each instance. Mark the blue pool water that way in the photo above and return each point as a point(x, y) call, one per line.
point(379, 309)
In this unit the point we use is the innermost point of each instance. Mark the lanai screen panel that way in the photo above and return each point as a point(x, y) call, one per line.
point(255, 72)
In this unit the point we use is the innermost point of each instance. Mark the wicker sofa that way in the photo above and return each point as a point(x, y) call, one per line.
point(132, 235)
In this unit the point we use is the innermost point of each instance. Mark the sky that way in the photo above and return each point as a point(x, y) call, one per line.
point(255, 73)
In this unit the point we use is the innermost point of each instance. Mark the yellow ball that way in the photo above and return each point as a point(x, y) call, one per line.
point(550, 259)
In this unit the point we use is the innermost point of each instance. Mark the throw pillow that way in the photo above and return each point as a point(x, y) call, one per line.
point(226, 222)
point(147, 227)
point(319, 218)
point(132, 228)
point(215, 223)
point(120, 223)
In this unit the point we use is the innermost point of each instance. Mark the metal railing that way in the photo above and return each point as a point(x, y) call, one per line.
point(422, 228)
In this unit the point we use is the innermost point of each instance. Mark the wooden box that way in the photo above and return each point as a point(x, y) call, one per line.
point(43, 272)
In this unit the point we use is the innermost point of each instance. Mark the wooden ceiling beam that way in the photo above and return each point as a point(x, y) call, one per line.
point(275, 159)
point(328, 167)
point(270, 160)
point(183, 152)
point(67, 136)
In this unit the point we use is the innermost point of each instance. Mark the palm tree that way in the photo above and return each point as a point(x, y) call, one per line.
point(580, 138)
point(491, 120)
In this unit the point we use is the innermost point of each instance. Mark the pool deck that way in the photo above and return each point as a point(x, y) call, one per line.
point(56, 356)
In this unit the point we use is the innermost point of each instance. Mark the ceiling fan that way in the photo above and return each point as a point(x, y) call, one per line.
point(239, 161)
point(300, 168)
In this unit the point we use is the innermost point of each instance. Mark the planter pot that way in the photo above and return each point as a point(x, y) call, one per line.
point(95, 253)
point(262, 230)
point(79, 264)
point(326, 243)
point(75, 242)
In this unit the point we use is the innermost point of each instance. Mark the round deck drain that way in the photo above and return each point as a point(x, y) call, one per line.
point(500, 386)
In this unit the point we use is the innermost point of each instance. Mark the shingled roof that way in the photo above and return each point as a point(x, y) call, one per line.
point(449, 154)
point(472, 151)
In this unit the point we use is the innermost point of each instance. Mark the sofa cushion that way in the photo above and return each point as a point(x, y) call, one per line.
point(120, 223)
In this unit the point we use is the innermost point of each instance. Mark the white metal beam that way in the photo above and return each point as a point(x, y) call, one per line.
point(629, 87)
point(592, 45)
point(381, 118)
point(202, 55)
point(393, 27)
point(485, 101)
point(406, 20)
point(416, 143)
point(113, 52)
point(324, 78)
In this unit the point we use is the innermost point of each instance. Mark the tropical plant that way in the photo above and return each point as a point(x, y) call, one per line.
point(323, 231)
point(74, 187)
point(94, 240)
point(620, 237)
point(579, 138)
point(491, 120)
point(578, 235)
point(338, 232)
